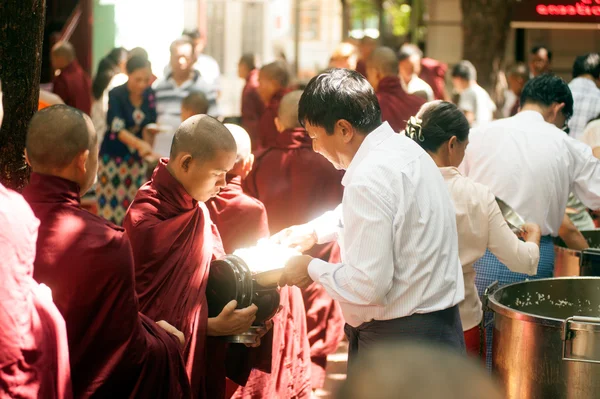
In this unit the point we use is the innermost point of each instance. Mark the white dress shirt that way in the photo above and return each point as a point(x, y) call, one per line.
point(397, 232)
point(586, 104)
point(481, 226)
point(533, 166)
point(417, 84)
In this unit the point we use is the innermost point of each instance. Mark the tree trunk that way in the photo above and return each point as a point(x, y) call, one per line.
point(381, 14)
point(21, 35)
point(346, 18)
point(486, 24)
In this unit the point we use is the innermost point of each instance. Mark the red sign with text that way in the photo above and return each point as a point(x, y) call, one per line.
point(578, 11)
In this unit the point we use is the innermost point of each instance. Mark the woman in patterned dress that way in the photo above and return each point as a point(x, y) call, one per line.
point(128, 139)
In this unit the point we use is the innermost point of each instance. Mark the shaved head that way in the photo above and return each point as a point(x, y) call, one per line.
point(288, 110)
point(56, 135)
point(242, 141)
point(196, 103)
point(249, 60)
point(202, 136)
point(64, 50)
point(385, 60)
point(277, 71)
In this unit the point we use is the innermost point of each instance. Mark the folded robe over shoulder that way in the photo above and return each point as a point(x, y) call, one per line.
point(267, 131)
point(297, 185)
point(173, 242)
point(282, 362)
point(88, 264)
point(397, 106)
point(34, 357)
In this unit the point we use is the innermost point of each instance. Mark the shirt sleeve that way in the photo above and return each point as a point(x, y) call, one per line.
point(366, 276)
point(518, 256)
point(115, 117)
point(585, 173)
point(327, 226)
point(468, 101)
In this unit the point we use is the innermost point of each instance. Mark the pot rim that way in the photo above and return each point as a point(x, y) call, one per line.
point(495, 306)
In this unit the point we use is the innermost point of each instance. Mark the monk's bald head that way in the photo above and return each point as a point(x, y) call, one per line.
point(202, 136)
point(57, 135)
point(242, 141)
point(62, 52)
point(276, 71)
point(385, 60)
point(288, 110)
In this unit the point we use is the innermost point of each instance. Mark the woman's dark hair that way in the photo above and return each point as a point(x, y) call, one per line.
point(136, 63)
point(588, 64)
point(464, 70)
point(108, 67)
point(436, 123)
point(340, 94)
point(546, 90)
point(536, 49)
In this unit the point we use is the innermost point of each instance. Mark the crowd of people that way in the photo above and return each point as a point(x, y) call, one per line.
point(387, 187)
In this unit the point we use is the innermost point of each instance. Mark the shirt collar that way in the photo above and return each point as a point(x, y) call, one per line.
point(370, 142)
point(584, 83)
point(449, 172)
point(530, 116)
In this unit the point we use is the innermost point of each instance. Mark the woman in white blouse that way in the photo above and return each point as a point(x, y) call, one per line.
point(443, 131)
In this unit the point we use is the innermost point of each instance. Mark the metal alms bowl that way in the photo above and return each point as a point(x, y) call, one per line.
point(513, 219)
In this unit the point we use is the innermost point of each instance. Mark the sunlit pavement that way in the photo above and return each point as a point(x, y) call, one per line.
point(336, 372)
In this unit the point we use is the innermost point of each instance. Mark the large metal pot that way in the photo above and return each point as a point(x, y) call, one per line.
point(547, 338)
point(566, 261)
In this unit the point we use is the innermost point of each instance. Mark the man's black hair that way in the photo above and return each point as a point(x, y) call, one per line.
point(535, 49)
point(464, 70)
point(340, 94)
point(588, 64)
point(546, 90)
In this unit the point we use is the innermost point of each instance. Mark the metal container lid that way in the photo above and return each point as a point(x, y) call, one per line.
point(550, 301)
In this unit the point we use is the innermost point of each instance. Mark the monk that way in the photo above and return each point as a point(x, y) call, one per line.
point(194, 104)
point(433, 72)
point(71, 83)
point(296, 184)
point(174, 241)
point(397, 106)
point(87, 263)
point(34, 356)
point(273, 81)
point(252, 105)
point(242, 220)
point(366, 47)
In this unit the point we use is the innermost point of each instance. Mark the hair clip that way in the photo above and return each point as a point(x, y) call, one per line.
point(414, 129)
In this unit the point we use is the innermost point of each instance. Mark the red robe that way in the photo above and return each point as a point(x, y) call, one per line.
point(397, 106)
point(267, 131)
point(242, 220)
point(173, 243)
point(434, 73)
point(34, 356)
point(252, 107)
point(87, 262)
point(296, 185)
point(74, 87)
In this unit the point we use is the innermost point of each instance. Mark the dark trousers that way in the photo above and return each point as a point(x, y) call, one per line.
point(441, 327)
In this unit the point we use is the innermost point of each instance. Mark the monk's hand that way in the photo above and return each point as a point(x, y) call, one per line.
point(261, 331)
point(296, 272)
point(232, 321)
point(301, 237)
point(172, 330)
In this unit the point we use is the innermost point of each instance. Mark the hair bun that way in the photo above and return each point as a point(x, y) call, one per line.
point(414, 129)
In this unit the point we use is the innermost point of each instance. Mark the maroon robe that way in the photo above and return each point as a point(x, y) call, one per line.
point(433, 72)
point(34, 356)
point(174, 241)
point(74, 87)
point(87, 262)
point(242, 220)
point(252, 107)
point(397, 106)
point(361, 67)
point(296, 185)
point(267, 131)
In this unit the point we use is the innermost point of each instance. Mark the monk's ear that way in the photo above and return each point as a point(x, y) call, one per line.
point(185, 162)
point(81, 161)
point(249, 164)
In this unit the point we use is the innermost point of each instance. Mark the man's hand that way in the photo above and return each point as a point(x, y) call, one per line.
point(262, 330)
point(301, 237)
point(296, 272)
point(232, 321)
point(172, 330)
point(531, 232)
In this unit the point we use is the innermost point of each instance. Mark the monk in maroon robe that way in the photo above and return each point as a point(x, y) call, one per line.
point(72, 84)
point(433, 72)
point(273, 81)
point(296, 184)
point(174, 241)
point(87, 263)
point(397, 106)
point(252, 105)
point(242, 221)
point(34, 356)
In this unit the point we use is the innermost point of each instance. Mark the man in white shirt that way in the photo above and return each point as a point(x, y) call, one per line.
point(409, 68)
point(586, 94)
point(474, 101)
point(531, 164)
point(400, 275)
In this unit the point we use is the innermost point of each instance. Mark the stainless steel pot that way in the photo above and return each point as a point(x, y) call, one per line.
point(547, 338)
point(566, 261)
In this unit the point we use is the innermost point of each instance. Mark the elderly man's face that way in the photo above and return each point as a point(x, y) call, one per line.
point(182, 58)
point(539, 63)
